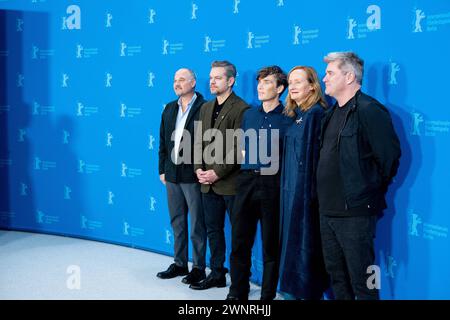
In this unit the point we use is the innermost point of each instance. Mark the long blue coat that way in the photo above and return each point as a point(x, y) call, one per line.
point(302, 271)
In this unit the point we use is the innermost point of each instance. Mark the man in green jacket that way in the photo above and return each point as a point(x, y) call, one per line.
point(217, 166)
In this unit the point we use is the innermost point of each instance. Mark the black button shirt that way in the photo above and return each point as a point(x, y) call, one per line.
point(258, 120)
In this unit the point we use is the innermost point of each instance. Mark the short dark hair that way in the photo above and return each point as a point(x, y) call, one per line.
point(230, 69)
point(279, 74)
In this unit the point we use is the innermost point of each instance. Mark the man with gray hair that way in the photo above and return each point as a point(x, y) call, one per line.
point(359, 156)
point(177, 173)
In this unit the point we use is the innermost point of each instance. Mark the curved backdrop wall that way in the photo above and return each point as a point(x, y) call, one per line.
point(83, 85)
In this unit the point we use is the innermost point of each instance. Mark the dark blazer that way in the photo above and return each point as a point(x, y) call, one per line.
point(181, 173)
point(230, 117)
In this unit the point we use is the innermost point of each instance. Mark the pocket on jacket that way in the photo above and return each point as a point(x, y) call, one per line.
point(348, 132)
point(349, 142)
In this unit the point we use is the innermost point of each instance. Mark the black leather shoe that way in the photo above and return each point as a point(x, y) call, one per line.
point(210, 282)
point(173, 271)
point(230, 297)
point(196, 275)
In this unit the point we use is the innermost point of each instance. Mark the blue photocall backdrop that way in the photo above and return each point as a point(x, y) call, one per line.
point(83, 85)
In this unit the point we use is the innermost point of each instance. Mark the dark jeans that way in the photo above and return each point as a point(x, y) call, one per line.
point(348, 250)
point(184, 197)
point(215, 206)
point(257, 198)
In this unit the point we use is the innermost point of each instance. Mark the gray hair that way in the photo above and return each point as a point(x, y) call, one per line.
point(191, 73)
point(230, 69)
point(349, 62)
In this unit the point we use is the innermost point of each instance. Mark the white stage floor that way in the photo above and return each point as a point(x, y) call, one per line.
point(39, 266)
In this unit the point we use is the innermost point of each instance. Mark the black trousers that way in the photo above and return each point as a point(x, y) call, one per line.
point(348, 250)
point(215, 206)
point(257, 199)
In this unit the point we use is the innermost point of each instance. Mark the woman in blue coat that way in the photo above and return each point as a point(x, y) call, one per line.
point(302, 271)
